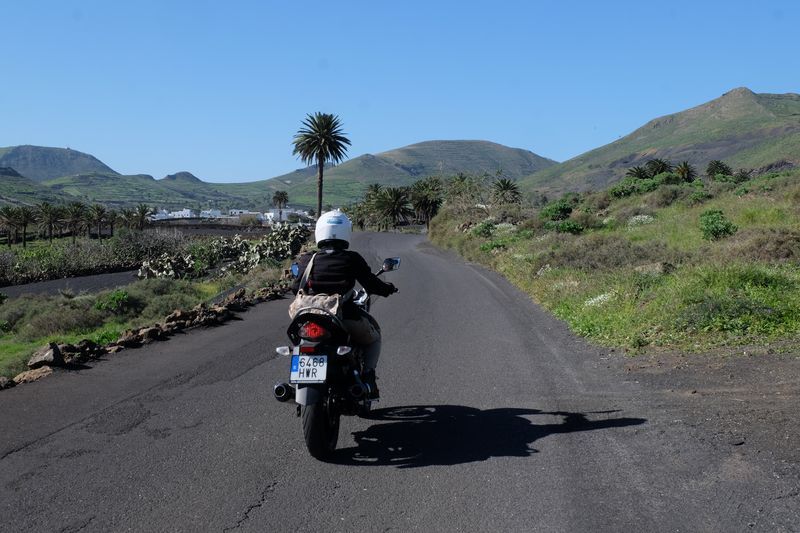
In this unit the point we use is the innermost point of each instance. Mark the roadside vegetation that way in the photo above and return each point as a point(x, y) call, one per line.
point(668, 257)
point(178, 273)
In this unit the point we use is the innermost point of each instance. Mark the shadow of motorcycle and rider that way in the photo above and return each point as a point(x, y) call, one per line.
point(427, 435)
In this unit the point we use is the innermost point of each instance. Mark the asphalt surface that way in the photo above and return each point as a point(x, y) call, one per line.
point(493, 418)
point(77, 285)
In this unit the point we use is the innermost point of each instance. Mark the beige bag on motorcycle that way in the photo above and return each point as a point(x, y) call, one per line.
point(322, 304)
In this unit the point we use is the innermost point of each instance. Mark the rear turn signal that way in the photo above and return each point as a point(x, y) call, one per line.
point(313, 332)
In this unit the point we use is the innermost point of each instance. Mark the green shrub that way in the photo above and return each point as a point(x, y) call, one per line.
point(564, 226)
point(484, 229)
point(56, 317)
point(115, 301)
point(715, 226)
point(558, 210)
point(727, 178)
point(698, 196)
point(626, 187)
point(668, 178)
point(630, 186)
point(493, 245)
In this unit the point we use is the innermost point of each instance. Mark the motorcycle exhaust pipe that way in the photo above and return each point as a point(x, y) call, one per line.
point(358, 391)
point(283, 392)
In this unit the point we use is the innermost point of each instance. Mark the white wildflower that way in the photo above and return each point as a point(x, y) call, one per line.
point(640, 220)
point(544, 270)
point(598, 300)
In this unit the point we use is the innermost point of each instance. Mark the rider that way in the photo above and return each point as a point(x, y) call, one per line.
point(335, 271)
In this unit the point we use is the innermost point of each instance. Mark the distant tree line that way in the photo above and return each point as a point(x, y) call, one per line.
point(388, 207)
point(716, 170)
point(74, 219)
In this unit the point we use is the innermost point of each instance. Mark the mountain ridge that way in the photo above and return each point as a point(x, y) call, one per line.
point(744, 128)
point(41, 163)
point(94, 181)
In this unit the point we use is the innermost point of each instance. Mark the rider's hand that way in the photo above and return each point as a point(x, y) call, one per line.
point(394, 289)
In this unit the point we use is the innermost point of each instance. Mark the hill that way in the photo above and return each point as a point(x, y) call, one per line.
point(744, 129)
point(172, 192)
point(74, 175)
point(402, 166)
point(41, 163)
point(17, 189)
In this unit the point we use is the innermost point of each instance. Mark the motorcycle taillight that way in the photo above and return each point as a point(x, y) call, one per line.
point(311, 331)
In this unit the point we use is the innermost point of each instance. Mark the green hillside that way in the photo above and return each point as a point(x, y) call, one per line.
point(173, 192)
point(742, 128)
point(403, 166)
point(41, 163)
point(17, 189)
point(76, 176)
point(689, 266)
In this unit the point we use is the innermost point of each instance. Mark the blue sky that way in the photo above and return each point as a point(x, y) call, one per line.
point(219, 88)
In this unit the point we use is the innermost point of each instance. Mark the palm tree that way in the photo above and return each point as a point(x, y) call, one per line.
point(112, 217)
point(8, 222)
point(426, 198)
point(319, 141)
point(392, 206)
point(140, 214)
point(505, 191)
point(75, 218)
point(25, 217)
point(718, 167)
point(96, 216)
point(127, 217)
point(359, 214)
point(657, 166)
point(686, 171)
point(637, 172)
point(48, 216)
point(279, 200)
point(373, 190)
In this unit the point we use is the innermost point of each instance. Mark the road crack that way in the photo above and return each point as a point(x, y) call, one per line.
point(269, 489)
point(78, 527)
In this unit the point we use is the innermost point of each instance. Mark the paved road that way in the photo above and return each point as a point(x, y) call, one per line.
point(94, 283)
point(494, 418)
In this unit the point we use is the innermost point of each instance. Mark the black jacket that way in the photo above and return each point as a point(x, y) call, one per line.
point(336, 272)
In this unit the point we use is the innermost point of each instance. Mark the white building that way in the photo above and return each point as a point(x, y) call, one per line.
point(211, 213)
point(183, 213)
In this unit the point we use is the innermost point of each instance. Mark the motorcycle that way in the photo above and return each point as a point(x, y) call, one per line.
point(325, 378)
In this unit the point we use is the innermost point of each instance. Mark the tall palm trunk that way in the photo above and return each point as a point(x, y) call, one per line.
point(320, 165)
point(25, 236)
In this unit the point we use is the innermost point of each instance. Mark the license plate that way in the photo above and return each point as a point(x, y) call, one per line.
point(309, 369)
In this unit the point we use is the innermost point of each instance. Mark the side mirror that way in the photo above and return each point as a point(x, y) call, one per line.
point(295, 268)
point(391, 263)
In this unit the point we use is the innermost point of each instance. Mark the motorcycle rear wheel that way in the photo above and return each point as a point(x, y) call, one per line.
point(320, 428)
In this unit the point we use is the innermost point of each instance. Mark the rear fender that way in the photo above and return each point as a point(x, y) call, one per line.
point(308, 394)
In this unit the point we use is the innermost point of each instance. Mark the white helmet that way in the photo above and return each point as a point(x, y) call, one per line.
point(333, 225)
